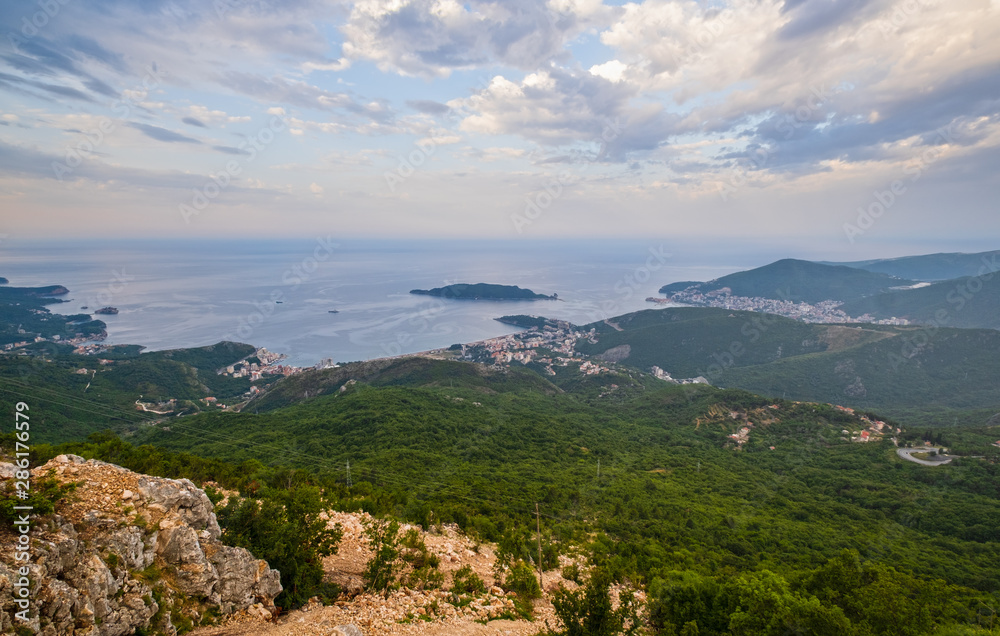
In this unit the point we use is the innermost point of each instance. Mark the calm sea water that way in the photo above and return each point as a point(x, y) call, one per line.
point(186, 294)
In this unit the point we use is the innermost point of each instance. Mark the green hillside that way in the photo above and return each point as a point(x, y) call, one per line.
point(77, 395)
point(692, 341)
point(648, 483)
point(901, 370)
point(670, 473)
point(965, 302)
point(800, 281)
point(956, 369)
point(404, 371)
point(932, 267)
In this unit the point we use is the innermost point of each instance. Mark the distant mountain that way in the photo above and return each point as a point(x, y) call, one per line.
point(972, 302)
point(931, 267)
point(799, 281)
point(482, 291)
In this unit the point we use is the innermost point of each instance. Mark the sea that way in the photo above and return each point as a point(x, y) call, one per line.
point(279, 294)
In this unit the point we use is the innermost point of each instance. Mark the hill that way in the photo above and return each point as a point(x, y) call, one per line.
point(798, 281)
point(898, 370)
point(689, 467)
point(411, 371)
point(482, 291)
point(24, 316)
point(657, 484)
point(82, 394)
point(972, 302)
point(689, 341)
point(931, 267)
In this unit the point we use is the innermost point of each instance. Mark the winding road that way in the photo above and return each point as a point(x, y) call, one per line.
point(907, 453)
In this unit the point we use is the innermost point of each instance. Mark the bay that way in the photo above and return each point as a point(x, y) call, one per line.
point(173, 294)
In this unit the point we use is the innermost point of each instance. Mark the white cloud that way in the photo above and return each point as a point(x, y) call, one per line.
point(432, 38)
point(613, 70)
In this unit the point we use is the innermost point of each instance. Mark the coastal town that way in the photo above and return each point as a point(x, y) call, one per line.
point(825, 312)
point(548, 345)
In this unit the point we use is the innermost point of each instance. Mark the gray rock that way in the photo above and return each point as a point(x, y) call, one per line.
point(94, 587)
point(346, 630)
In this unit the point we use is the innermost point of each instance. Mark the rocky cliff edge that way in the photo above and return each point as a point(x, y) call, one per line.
point(127, 551)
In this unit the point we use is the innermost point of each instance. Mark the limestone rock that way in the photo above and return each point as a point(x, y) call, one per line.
point(94, 565)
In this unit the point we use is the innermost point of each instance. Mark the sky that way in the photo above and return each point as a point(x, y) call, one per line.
point(866, 127)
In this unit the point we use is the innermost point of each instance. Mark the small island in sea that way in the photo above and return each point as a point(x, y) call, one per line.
point(107, 311)
point(483, 291)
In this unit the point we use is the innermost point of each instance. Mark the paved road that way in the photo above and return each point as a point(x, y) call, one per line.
point(907, 453)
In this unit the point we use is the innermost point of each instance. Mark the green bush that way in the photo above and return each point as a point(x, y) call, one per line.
point(589, 612)
point(466, 581)
point(523, 581)
point(285, 529)
point(383, 539)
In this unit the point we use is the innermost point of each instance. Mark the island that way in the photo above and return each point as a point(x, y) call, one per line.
point(483, 291)
point(3, 281)
point(107, 311)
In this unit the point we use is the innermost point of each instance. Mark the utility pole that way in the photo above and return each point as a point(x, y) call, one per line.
point(598, 468)
point(349, 475)
point(538, 526)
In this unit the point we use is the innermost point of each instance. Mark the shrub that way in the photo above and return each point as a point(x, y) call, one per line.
point(383, 539)
point(466, 581)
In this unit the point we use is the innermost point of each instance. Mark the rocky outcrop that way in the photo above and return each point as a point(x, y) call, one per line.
point(128, 551)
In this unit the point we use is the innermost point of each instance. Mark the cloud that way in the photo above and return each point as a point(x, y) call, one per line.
point(558, 107)
point(432, 38)
point(811, 81)
point(428, 107)
point(229, 150)
point(162, 134)
point(191, 121)
point(305, 95)
point(18, 84)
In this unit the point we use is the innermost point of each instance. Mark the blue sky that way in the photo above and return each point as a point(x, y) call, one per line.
point(860, 124)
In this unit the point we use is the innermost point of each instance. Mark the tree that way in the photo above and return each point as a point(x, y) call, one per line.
point(383, 539)
point(285, 529)
point(589, 612)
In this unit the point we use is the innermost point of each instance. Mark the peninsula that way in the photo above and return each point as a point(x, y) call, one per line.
point(483, 291)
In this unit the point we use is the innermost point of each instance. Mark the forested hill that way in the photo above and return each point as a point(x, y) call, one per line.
point(972, 302)
point(679, 484)
point(798, 281)
point(899, 370)
point(932, 267)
